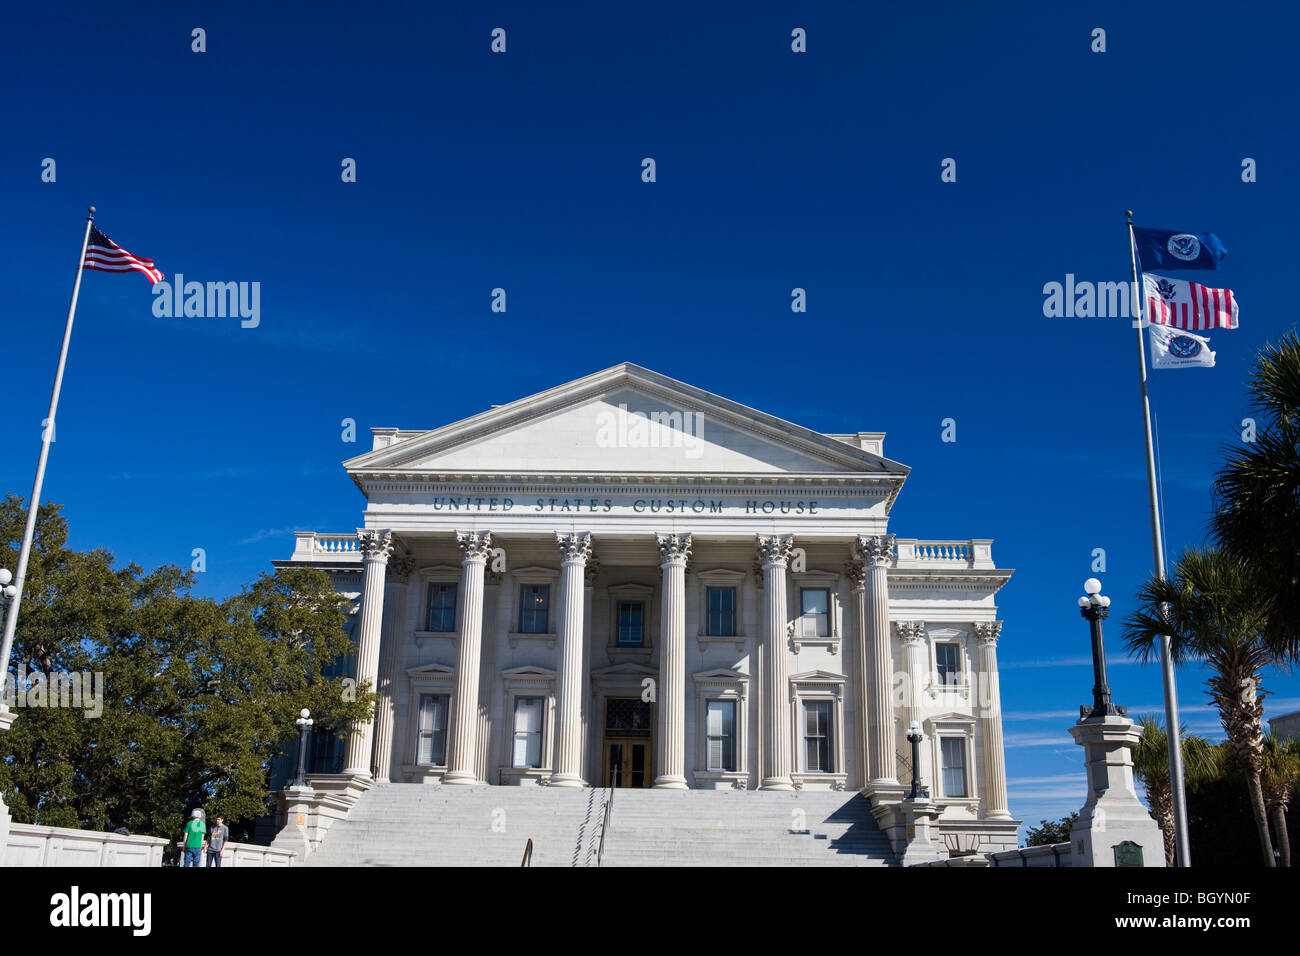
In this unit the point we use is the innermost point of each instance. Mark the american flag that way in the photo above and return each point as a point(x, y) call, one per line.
point(105, 255)
point(1189, 306)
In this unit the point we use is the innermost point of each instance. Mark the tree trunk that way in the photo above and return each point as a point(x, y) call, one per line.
point(1283, 839)
point(1161, 801)
point(1261, 818)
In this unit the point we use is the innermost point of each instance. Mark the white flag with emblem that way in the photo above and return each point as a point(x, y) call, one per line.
point(1173, 348)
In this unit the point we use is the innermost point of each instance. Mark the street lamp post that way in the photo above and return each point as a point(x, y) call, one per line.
point(303, 724)
point(1095, 606)
point(915, 736)
point(7, 593)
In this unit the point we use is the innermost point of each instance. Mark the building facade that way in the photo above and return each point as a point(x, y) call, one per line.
point(628, 581)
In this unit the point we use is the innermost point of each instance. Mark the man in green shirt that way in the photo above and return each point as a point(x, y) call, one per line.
point(195, 832)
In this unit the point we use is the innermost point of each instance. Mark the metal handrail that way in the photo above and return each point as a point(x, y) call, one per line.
point(609, 807)
point(528, 854)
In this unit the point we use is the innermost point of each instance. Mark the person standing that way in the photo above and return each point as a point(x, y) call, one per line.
point(217, 838)
point(194, 834)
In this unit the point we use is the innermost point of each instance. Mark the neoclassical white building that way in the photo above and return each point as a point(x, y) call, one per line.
point(628, 581)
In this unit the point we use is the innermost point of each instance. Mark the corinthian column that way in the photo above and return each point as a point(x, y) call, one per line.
point(856, 576)
point(475, 546)
point(990, 711)
point(670, 757)
point(774, 552)
point(916, 663)
point(390, 661)
point(375, 547)
point(574, 551)
point(878, 662)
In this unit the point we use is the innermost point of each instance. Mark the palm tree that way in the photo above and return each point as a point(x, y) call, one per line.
point(1151, 766)
point(1281, 771)
point(1214, 613)
point(1257, 493)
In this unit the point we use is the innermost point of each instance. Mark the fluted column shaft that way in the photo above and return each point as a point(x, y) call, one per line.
point(574, 551)
point(916, 665)
point(774, 552)
point(390, 662)
point(670, 747)
point(856, 576)
point(874, 550)
point(990, 711)
point(375, 547)
point(475, 546)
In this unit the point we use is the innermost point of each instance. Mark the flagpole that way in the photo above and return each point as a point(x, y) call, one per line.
point(33, 503)
point(1172, 726)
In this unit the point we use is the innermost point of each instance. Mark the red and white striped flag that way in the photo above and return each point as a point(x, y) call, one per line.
point(105, 255)
point(1189, 306)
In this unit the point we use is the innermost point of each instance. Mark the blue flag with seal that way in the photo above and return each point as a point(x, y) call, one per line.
point(1170, 249)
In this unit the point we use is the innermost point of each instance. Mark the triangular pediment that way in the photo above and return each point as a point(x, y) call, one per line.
point(624, 420)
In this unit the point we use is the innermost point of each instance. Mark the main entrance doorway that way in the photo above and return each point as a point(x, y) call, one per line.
point(627, 742)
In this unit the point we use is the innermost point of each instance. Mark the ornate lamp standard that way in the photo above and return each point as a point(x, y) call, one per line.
point(1095, 606)
point(303, 723)
point(7, 593)
point(915, 736)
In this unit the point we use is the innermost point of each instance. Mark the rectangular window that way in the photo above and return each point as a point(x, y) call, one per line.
point(814, 617)
point(528, 732)
point(631, 623)
point(722, 612)
point(433, 730)
point(948, 661)
point(817, 737)
point(953, 751)
point(534, 608)
point(721, 731)
point(442, 608)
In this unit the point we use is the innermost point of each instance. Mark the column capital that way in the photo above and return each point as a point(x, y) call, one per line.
point(875, 549)
point(400, 567)
point(475, 546)
point(856, 573)
point(591, 572)
point(774, 549)
point(574, 546)
point(910, 632)
point(673, 549)
point(375, 543)
point(986, 633)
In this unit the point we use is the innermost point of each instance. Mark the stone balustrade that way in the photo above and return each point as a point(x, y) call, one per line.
point(30, 845)
point(310, 544)
point(972, 553)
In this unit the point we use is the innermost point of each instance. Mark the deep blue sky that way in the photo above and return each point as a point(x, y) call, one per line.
point(775, 170)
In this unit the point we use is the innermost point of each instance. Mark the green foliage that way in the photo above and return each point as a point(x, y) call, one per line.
point(199, 695)
point(1049, 832)
point(1257, 493)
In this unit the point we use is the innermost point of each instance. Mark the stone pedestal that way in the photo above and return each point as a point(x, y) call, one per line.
point(914, 832)
point(1114, 828)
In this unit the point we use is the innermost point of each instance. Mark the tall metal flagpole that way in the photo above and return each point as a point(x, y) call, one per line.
point(34, 503)
point(1172, 726)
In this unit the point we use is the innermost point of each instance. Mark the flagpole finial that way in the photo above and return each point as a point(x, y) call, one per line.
point(1129, 215)
point(92, 211)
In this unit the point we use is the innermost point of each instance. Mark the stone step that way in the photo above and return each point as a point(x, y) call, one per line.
point(412, 824)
